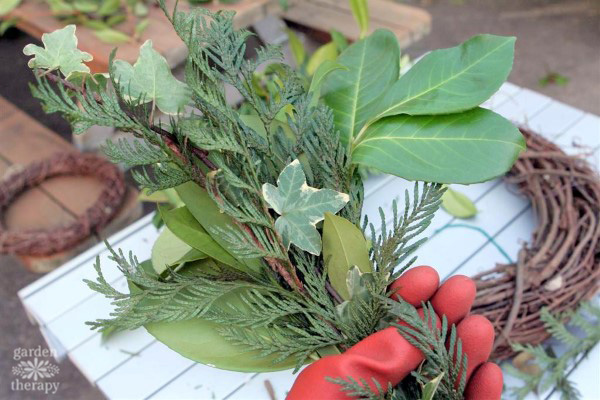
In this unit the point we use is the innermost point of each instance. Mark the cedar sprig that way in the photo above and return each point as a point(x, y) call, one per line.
point(579, 331)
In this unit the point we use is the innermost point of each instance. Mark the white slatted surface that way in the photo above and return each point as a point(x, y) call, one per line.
point(132, 365)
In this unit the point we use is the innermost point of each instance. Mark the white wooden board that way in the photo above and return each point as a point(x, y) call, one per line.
point(133, 365)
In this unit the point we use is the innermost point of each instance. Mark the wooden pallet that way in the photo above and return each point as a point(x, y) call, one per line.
point(57, 201)
point(36, 19)
point(133, 365)
point(407, 22)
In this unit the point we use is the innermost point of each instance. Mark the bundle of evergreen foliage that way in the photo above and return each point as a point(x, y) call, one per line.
point(268, 265)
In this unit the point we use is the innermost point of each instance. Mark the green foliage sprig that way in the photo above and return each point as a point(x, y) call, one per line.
point(551, 370)
point(240, 289)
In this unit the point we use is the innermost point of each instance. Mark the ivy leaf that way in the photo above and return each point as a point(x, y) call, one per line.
point(457, 204)
point(344, 246)
point(150, 80)
point(300, 207)
point(59, 52)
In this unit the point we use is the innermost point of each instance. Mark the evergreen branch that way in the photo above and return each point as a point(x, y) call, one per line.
point(390, 248)
point(152, 299)
point(442, 354)
point(552, 370)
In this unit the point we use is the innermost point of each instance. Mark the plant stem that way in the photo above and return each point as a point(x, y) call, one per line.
point(170, 139)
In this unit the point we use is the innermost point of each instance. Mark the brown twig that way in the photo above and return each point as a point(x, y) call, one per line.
point(560, 266)
point(168, 137)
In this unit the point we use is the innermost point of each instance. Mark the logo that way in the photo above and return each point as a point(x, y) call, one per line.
point(33, 370)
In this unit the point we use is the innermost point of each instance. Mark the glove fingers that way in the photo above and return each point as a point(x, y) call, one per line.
point(416, 285)
point(454, 298)
point(385, 356)
point(477, 335)
point(486, 383)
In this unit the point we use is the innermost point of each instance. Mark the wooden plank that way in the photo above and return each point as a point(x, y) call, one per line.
point(280, 381)
point(69, 291)
point(96, 357)
point(325, 16)
point(36, 19)
point(203, 382)
point(80, 261)
point(144, 374)
point(25, 140)
point(386, 12)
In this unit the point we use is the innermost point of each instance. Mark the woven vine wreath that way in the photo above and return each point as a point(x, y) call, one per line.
point(46, 242)
point(560, 266)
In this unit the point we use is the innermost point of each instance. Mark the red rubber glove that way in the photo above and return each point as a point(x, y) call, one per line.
point(389, 358)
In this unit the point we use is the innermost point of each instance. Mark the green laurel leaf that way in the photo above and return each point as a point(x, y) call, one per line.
point(451, 80)
point(60, 52)
point(300, 207)
point(327, 52)
point(344, 246)
point(183, 225)
point(150, 80)
point(372, 65)
point(469, 147)
point(457, 204)
point(168, 250)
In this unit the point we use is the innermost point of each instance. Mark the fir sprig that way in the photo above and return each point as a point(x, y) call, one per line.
point(554, 369)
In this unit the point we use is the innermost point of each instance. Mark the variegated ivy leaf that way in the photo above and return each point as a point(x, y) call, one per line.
point(150, 80)
point(300, 207)
point(60, 52)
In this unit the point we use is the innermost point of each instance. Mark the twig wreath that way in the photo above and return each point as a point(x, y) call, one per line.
point(45, 242)
point(560, 266)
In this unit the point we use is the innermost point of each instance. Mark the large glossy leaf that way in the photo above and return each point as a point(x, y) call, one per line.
point(150, 80)
point(168, 250)
point(360, 10)
point(372, 66)
point(451, 80)
point(327, 52)
point(60, 52)
point(199, 340)
point(318, 78)
point(469, 147)
point(207, 213)
point(182, 223)
point(344, 246)
point(300, 207)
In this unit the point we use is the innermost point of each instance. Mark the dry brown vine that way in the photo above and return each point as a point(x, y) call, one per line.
point(560, 266)
point(46, 242)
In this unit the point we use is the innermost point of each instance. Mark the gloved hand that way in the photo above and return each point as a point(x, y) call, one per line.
point(388, 357)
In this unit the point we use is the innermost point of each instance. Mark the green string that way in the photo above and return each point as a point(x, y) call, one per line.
point(483, 232)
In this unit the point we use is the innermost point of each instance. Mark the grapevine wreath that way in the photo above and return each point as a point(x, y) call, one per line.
point(560, 267)
point(46, 242)
point(268, 264)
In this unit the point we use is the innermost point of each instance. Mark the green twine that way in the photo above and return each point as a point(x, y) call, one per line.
point(489, 237)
